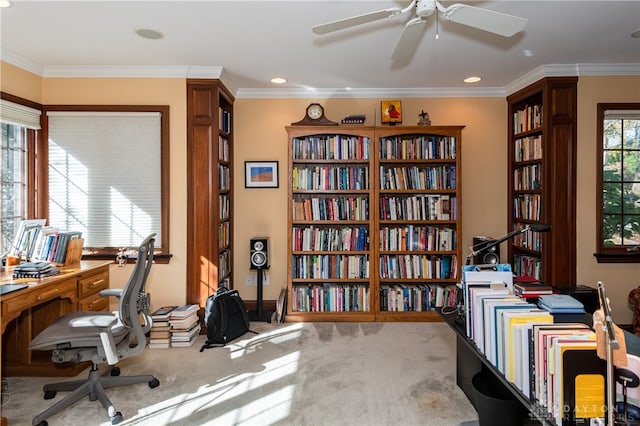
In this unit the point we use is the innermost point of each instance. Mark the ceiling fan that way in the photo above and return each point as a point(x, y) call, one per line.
point(476, 17)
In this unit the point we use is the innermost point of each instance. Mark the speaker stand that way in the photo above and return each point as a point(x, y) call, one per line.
point(260, 314)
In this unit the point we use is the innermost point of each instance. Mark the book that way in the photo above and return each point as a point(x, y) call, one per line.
point(163, 313)
point(560, 303)
point(184, 311)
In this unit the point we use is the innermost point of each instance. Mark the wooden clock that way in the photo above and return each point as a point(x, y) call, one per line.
point(314, 116)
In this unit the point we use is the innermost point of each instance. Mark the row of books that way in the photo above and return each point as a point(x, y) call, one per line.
point(418, 266)
point(527, 118)
point(331, 147)
point(419, 207)
point(411, 297)
point(35, 241)
point(330, 297)
point(414, 238)
point(400, 178)
point(330, 178)
point(174, 326)
point(528, 148)
point(418, 148)
point(330, 266)
point(528, 178)
point(311, 238)
point(527, 206)
point(331, 208)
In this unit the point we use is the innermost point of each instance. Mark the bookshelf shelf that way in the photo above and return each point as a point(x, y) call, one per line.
point(542, 135)
point(402, 185)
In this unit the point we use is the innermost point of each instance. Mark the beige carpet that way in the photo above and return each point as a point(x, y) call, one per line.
point(288, 374)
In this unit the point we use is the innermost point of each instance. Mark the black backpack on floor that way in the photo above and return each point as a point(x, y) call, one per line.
point(226, 318)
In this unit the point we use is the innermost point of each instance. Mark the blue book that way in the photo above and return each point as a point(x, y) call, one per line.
point(560, 303)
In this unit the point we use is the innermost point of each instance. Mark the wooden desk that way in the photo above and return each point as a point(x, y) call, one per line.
point(24, 313)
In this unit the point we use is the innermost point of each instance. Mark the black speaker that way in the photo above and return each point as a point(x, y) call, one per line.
point(258, 252)
point(490, 256)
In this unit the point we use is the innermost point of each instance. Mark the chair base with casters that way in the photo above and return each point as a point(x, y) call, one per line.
point(102, 338)
point(93, 387)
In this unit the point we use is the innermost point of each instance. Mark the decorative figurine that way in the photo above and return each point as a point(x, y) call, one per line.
point(424, 119)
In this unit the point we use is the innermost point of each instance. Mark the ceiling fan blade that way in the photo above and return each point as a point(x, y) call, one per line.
point(356, 20)
point(484, 19)
point(409, 40)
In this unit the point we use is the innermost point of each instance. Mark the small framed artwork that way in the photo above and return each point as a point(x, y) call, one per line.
point(260, 174)
point(391, 112)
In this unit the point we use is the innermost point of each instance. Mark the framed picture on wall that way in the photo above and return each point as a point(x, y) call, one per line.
point(391, 112)
point(260, 174)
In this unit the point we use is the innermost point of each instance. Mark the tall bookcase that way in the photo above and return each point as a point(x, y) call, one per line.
point(209, 188)
point(542, 179)
point(374, 222)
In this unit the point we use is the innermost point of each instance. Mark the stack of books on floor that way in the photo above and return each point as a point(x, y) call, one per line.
point(39, 269)
point(160, 334)
point(185, 326)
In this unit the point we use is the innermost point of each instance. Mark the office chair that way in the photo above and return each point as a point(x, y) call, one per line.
point(101, 337)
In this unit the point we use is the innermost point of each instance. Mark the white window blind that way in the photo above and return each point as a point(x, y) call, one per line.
point(20, 115)
point(105, 176)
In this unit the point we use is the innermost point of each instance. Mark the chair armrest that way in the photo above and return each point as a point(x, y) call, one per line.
point(116, 292)
point(104, 323)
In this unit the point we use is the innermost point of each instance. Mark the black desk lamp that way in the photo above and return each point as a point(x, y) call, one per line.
point(475, 250)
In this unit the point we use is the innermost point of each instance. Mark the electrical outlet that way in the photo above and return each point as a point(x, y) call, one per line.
point(265, 279)
point(250, 280)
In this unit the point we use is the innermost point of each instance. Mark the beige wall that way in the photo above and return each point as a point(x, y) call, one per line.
point(260, 135)
point(618, 278)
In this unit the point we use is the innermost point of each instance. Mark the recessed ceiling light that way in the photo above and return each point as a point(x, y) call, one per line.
point(5, 3)
point(150, 34)
point(278, 80)
point(635, 34)
point(472, 79)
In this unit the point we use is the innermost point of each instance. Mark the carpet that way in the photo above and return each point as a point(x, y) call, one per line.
point(289, 374)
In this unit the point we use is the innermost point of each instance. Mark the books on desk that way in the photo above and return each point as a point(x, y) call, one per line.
point(35, 270)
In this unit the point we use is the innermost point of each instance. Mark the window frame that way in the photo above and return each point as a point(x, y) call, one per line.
point(31, 147)
point(37, 168)
point(604, 253)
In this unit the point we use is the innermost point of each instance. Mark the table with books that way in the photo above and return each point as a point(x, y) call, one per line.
point(538, 345)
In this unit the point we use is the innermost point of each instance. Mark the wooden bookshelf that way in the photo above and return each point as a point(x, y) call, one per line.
point(209, 188)
point(342, 265)
point(542, 135)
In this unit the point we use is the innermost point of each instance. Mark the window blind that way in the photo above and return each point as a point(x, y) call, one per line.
point(105, 175)
point(20, 115)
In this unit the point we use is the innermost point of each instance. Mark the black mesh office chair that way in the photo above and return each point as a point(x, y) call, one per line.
point(101, 337)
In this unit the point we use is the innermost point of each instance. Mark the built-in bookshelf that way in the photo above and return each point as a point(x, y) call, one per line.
point(209, 188)
point(330, 224)
point(542, 179)
point(373, 222)
point(419, 222)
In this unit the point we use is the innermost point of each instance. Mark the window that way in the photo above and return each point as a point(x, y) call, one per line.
point(19, 124)
point(619, 179)
point(108, 175)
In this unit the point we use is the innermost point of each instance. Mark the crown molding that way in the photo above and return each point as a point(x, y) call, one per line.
point(569, 70)
point(218, 72)
point(416, 92)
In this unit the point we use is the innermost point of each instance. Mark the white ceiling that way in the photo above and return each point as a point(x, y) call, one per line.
point(253, 41)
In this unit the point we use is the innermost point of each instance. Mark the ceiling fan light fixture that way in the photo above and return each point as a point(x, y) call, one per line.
point(473, 79)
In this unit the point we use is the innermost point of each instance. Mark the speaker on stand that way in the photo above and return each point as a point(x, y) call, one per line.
point(259, 259)
point(489, 256)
